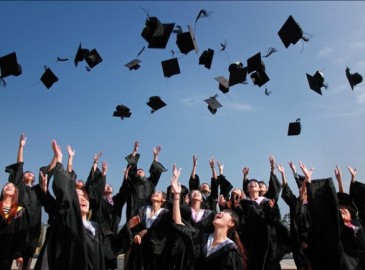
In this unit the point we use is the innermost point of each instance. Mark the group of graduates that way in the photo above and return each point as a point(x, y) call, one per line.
point(199, 226)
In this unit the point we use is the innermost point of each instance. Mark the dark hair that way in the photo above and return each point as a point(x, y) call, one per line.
point(14, 204)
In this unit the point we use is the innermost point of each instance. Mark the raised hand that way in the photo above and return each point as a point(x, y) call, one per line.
point(22, 139)
point(307, 172)
point(352, 172)
point(292, 166)
point(280, 168)
point(211, 162)
point(245, 171)
point(104, 167)
point(195, 160)
point(220, 166)
point(44, 181)
point(97, 157)
point(71, 153)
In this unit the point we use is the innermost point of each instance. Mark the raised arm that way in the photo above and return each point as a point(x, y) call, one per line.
point(71, 154)
point(338, 175)
point(245, 172)
point(22, 141)
point(212, 167)
point(353, 173)
point(282, 172)
point(307, 172)
point(96, 158)
point(272, 164)
point(176, 189)
point(195, 163)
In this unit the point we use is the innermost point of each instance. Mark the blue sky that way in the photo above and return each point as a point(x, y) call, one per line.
point(250, 126)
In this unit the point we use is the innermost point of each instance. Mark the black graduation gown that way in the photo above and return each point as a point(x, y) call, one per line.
point(148, 255)
point(70, 245)
point(104, 213)
point(324, 245)
point(227, 257)
point(139, 190)
point(12, 238)
point(299, 226)
point(30, 199)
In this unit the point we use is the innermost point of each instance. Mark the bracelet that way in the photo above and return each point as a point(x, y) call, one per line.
point(212, 167)
point(95, 162)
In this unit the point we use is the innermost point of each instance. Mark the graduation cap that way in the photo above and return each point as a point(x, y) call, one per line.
point(157, 34)
point(122, 111)
point(186, 41)
point(316, 82)
point(259, 78)
point(237, 73)
point(133, 65)
point(80, 55)
point(170, 67)
point(48, 78)
point(213, 104)
point(206, 58)
point(93, 58)
point(291, 32)
point(223, 84)
point(346, 201)
point(354, 78)
point(294, 128)
point(156, 103)
point(9, 66)
point(255, 63)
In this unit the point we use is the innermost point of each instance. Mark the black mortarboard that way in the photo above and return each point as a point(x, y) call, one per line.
point(157, 34)
point(206, 58)
point(237, 73)
point(213, 104)
point(9, 65)
point(345, 200)
point(354, 78)
point(255, 63)
point(316, 82)
point(93, 58)
point(48, 78)
point(80, 55)
point(294, 128)
point(290, 32)
point(186, 41)
point(223, 84)
point(122, 111)
point(133, 65)
point(259, 78)
point(170, 67)
point(155, 103)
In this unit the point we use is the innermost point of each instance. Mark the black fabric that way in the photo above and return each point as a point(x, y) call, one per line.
point(30, 199)
point(299, 226)
point(210, 201)
point(70, 245)
point(12, 239)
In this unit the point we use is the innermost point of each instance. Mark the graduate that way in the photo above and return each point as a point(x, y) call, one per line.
point(13, 228)
point(106, 209)
point(218, 251)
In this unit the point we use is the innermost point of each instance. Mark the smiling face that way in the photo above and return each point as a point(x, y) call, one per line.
point(345, 213)
point(140, 173)
point(108, 189)
point(263, 188)
point(253, 186)
point(83, 201)
point(158, 196)
point(195, 195)
point(223, 219)
point(9, 190)
point(204, 188)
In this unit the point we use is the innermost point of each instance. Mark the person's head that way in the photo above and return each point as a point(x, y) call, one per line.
point(140, 172)
point(28, 178)
point(195, 195)
point(80, 183)
point(346, 214)
point(253, 186)
point(226, 219)
point(10, 190)
point(205, 188)
point(263, 188)
point(158, 196)
point(83, 201)
point(236, 194)
point(108, 190)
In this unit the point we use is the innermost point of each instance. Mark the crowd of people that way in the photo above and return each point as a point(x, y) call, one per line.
point(200, 225)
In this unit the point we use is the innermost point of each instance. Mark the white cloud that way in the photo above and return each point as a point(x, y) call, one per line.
point(360, 96)
point(325, 51)
point(357, 45)
point(239, 106)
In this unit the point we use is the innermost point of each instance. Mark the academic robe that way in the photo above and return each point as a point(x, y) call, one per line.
point(148, 254)
point(299, 226)
point(324, 244)
point(12, 238)
point(140, 189)
point(30, 199)
point(106, 214)
point(225, 258)
point(70, 245)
